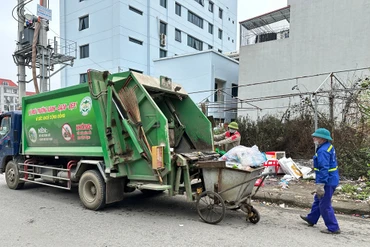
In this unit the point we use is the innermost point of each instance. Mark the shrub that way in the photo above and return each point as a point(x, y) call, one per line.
point(294, 137)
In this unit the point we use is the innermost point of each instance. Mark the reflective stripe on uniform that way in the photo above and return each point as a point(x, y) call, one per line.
point(331, 146)
point(330, 170)
point(333, 169)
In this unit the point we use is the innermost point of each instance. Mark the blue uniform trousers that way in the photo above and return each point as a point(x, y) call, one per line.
point(323, 207)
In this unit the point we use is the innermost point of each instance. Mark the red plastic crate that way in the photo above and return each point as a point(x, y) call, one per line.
point(274, 163)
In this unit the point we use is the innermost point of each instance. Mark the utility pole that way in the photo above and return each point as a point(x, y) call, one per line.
point(35, 51)
point(21, 61)
point(43, 40)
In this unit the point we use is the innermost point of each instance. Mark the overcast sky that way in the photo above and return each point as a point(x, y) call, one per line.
point(8, 30)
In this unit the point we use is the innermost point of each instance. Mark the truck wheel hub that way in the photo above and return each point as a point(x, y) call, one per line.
point(11, 175)
point(90, 191)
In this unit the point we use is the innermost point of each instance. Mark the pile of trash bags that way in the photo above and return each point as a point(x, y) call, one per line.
point(241, 157)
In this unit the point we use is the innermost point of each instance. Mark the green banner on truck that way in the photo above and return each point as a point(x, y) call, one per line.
point(63, 122)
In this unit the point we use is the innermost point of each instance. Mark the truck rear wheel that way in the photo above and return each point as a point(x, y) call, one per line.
point(91, 189)
point(12, 176)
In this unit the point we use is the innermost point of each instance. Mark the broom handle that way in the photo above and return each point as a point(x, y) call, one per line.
point(147, 144)
point(145, 139)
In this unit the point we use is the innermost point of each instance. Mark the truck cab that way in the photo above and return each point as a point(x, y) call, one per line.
point(10, 136)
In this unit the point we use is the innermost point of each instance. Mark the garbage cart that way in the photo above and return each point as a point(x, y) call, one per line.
point(227, 188)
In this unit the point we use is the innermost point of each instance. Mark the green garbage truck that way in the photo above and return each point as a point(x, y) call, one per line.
point(112, 135)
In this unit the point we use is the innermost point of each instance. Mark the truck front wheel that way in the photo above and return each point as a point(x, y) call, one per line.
point(91, 189)
point(12, 176)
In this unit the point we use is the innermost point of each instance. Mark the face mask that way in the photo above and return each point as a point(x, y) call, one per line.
point(316, 142)
point(232, 131)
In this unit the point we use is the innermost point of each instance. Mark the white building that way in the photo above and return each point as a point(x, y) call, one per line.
point(129, 34)
point(291, 51)
point(9, 95)
point(212, 80)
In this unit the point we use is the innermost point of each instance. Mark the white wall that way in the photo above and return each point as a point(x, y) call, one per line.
point(111, 23)
point(200, 76)
point(325, 36)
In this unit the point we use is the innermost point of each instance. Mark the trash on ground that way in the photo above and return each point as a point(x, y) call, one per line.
point(289, 167)
point(284, 184)
point(288, 177)
point(258, 182)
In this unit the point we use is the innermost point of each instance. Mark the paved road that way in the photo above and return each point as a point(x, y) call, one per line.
point(43, 216)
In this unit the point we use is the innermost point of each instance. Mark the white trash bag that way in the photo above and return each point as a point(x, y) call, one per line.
point(246, 156)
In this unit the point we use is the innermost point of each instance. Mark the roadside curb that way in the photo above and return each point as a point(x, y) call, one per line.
point(305, 201)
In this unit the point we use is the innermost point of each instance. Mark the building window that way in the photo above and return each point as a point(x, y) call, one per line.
point(135, 70)
point(137, 11)
point(136, 41)
point(83, 78)
point(84, 22)
point(163, 3)
point(210, 6)
point(220, 12)
point(178, 9)
point(201, 2)
point(210, 47)
point(5, 83)
point(219, 33)
point(162, 53)
point(210, 28)
point(196, 20)
point(234, 90)
point(84, 51)
point(219, 50)
point(219, 95)
point(163, 27)
point(195, 43)
point(177, 35)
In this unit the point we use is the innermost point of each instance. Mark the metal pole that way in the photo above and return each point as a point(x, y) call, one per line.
point(323, 83)
point(43, 44)
point(331, 101)
point(21, 61)
point(315, 112)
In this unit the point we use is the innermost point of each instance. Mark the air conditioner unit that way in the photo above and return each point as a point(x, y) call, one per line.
point(162, 39)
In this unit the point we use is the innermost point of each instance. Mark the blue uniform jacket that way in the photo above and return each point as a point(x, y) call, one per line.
point(325, 165)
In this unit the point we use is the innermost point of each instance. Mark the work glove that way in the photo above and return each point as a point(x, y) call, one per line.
point(320, 191)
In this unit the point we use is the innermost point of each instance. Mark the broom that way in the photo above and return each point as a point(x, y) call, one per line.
point(129, 100)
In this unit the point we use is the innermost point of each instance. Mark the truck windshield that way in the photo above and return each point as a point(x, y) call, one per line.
point(4, 126)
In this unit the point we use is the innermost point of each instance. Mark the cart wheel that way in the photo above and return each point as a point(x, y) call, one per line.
point(254, 216)
point(210, 207)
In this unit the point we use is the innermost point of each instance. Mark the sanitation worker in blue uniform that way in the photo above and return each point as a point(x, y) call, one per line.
point(327, 179)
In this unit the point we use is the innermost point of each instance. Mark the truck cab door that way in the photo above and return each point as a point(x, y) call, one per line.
point(6, 147)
